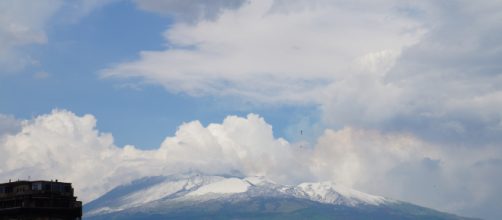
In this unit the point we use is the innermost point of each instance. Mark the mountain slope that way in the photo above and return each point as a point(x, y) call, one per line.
point(197, 196)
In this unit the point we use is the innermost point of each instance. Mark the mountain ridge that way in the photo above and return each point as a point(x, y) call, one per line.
point(198, 196)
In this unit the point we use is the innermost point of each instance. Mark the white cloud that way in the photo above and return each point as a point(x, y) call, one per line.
point(267, 51)
point(245, 145)
point(427, 67)
point(64, 146)
point(60, 145)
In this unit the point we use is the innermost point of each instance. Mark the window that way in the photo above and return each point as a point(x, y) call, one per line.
point(57, 187)
point(36, 186)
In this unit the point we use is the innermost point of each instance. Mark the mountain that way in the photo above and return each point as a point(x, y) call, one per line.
point(198, 196)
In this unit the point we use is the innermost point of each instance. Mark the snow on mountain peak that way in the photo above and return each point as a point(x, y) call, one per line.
point(225, 186)
point(258, 180)
point(198, 188)
point(199, 196)
point(169, 187)
point(328, 192)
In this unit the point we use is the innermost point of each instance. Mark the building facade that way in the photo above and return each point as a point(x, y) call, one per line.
point(38, 200)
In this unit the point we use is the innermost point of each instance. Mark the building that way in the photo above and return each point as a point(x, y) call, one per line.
point(38, 200)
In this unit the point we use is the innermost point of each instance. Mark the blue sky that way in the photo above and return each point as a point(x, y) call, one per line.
point(140, 116)
point(381, 96)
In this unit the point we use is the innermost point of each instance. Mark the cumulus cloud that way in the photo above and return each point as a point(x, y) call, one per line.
point(61, 145)
point(245, 145)
point(64, 146)
point(24, 23)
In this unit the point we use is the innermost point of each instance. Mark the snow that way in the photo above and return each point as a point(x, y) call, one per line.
point(328, 192)
point(230, 185)
point(258, 180)
point(200, 187)
point(103, 210)
point(182, 183)
point(154, 193)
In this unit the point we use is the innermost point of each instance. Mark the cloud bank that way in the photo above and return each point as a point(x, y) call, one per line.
point(68, 147)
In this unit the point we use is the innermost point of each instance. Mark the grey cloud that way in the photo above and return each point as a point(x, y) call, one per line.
point(446, 88)
point(189, 10)
point(451, 79)
point(489, 172)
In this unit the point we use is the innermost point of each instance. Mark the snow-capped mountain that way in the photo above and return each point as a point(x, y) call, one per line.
point(198, 196)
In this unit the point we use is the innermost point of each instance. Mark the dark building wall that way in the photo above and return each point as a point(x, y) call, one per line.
point(32, 200)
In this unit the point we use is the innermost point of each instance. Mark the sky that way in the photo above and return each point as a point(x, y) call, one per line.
point(394, 98)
